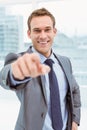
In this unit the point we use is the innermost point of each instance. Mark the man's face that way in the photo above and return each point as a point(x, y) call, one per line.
point(42, 34)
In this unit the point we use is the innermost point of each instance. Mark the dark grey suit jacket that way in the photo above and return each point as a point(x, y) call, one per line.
point(32, 96)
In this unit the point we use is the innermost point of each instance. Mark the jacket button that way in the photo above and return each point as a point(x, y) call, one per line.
point(42, 115)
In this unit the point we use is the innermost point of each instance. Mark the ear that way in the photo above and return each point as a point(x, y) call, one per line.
point(28, 33)
point(55, 31)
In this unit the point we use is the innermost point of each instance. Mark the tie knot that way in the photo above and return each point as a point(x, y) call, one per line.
point(49, 62)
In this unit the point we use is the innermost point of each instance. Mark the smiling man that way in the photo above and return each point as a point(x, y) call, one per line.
point(29, 74)
point(42, 33)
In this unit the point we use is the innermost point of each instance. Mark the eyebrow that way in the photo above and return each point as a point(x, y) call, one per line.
point(48, 27)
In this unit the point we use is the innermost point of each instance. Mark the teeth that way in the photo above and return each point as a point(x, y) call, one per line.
point(43, 42)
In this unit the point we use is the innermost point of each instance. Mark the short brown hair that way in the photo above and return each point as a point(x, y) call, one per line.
point(40, 12)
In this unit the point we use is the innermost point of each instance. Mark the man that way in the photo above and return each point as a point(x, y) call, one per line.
point(28, 74)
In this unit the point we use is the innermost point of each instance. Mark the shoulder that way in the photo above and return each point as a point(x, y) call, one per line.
point(12, 57)
point(62, 58)
point(64, 61)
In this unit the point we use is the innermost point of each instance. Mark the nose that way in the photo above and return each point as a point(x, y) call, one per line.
point(43, 34)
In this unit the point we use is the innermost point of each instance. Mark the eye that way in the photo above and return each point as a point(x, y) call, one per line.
point(37, 30)
point(48, 30)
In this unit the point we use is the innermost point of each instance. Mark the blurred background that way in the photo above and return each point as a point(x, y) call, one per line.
point(71, 41)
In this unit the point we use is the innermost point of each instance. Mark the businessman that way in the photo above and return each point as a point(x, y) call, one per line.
point(43, 81)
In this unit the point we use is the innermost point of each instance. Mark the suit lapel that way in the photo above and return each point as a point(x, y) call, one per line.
point(44, 88)
point(65, 67)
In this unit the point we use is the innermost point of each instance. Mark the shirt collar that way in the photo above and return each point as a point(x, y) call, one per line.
point(42, 57)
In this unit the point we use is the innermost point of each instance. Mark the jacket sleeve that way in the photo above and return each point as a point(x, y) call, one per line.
point(76, 101)
point(4, 75)
point(5, 80)
point(75, 97)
